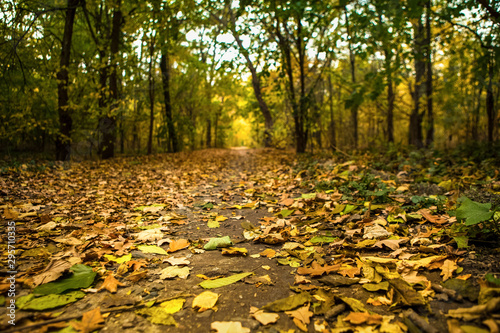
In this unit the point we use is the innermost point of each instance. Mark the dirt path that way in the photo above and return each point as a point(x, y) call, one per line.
point(297, 242)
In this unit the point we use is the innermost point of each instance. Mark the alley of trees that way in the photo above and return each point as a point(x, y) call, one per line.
point(87, 78)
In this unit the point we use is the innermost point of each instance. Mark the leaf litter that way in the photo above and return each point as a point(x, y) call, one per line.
point(288, 242)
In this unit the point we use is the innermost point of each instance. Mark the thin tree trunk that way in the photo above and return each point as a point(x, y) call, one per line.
point(151, 97)
point(63, 141)
point(109, 120)
point(333, 140)
point(390, 97)
point(355, 105)
point(165, 71)
point(256, 85)
point(490, 101)
point(415, 130)
point(430, 116)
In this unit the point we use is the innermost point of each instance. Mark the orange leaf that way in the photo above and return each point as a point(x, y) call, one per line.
point(111, 284)
point(358, 318)
point(91, 321)
point(177, 245)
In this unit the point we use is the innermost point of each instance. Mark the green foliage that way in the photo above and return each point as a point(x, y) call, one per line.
point(473, 212)
point(82, 277)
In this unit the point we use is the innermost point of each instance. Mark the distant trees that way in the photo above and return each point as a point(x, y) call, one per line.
point(145, 76)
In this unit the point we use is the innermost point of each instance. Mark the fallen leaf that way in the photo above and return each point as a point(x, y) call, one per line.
point(229, 327)
point(358, 318)
point(204, 301)
point(265, 318)
point(111, 284)
point(91, 321)
point(217, 283)
point(448, 268)
point(174, 271)
point(177, 245)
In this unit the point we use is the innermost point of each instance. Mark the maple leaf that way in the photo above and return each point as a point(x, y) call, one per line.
point(317, 270)
point(111, 284)
point(448, 268)
point(262, 317)
point(91, 321)
point(302, 314)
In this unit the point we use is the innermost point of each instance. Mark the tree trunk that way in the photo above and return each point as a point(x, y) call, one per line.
point(63, 141)
point(257, 88)
point(490, 101)
point(165, 75)
point(209, 133)
point(415, 130)
point(108, 121)
point(151, 97)
point(333, 140)
point(355, 105)
point(390, 96)
point(428, 45)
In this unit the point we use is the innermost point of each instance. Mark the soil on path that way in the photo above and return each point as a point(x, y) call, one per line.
point(101, 208)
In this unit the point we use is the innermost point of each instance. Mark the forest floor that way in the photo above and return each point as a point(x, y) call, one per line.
point(243, 240)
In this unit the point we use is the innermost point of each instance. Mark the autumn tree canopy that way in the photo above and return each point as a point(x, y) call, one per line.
point(83, 78)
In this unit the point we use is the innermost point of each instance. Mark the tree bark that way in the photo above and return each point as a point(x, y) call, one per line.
point(355, 105)
point(256, 85)
point(490, 101)
point(429, 88)
point(333, 140)
point(108, 121)
point(63, 141)
point(151, 97)
point(165, 74)
point(415, 130)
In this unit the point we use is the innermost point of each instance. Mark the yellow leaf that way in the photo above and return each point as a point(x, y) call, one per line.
point(448, 268)
point(220, 218)
point(229, 327)
point(173, 305)
point(204, 301)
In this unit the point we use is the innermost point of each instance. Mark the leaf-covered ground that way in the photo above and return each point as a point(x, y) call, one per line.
point(249, 241)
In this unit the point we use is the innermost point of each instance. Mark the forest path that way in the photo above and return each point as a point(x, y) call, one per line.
point(118, 218)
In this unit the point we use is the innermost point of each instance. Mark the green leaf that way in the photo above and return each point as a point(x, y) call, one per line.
point(289, 303)
point(30, 302)
point(323, 239)
point(214, 243)
point(473, 212)
point(308, 196)
point(285, 212)
point(376, 286)
point(462, 241)
point(151, 249)
point(217, 283)
point(208, 205)
point(349, 208)
point(82, 277)
point(492, 279)
point(119, 260)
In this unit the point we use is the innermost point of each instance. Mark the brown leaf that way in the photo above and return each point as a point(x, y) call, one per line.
point(317, 270)
point(52, 272)
point(91, 321)
point(136, 276)
point(433, 218)
point(111, 284)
